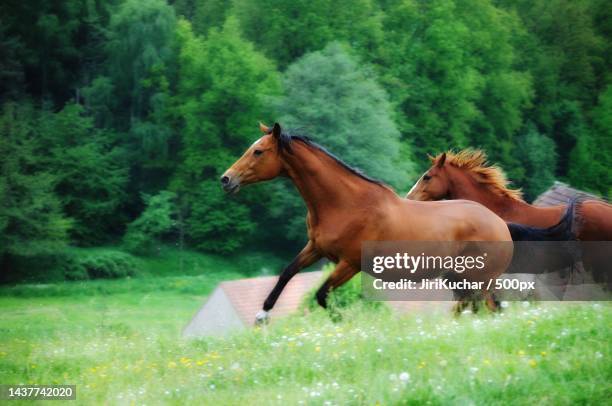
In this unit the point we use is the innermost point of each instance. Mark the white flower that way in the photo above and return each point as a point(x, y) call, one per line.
point(379, 350)
point(404, 377)
point(212, 386)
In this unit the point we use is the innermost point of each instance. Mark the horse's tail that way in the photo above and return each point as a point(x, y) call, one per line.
point(562, 231)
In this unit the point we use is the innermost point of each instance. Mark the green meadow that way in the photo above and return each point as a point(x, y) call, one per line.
point(119, 342)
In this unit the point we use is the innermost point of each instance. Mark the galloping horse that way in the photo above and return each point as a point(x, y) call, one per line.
point(345, 208)
point(467, 175)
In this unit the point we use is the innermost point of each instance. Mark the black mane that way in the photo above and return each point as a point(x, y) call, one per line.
point(286, 139)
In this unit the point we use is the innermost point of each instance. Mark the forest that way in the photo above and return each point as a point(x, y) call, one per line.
point(117, 117)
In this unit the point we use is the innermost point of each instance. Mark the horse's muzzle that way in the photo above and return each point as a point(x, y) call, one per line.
point(230, 185)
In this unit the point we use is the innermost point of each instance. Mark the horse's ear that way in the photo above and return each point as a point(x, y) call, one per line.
point(431, 158)
point(441, 160)
point(276, 130)
point(264, 128)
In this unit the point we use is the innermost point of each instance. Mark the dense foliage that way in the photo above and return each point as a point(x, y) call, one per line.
point(118, 116)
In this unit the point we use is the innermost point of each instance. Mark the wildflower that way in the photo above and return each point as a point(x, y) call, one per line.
point(543, 353)
point(317, 349)
point(404, 377)
point(171, 364)
point(532, 363)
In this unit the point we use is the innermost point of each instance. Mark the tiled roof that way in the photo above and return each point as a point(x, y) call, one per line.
point(561, 193)
point(247, 295)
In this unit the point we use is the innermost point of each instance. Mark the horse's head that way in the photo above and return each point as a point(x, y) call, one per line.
point(261, 161)
point(434, 184)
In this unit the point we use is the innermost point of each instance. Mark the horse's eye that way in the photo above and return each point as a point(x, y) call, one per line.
point(426, 177)
point(257, 152)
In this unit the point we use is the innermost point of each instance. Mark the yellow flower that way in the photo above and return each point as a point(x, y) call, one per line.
point(317, 349)
point(171, 364)
point(543, 353)
point(532, 363)
point(521, 353)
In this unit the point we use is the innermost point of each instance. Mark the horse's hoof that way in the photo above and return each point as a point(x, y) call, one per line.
point(262, 317)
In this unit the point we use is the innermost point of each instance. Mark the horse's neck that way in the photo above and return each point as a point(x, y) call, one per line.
point(323, 183)
point(463, 186)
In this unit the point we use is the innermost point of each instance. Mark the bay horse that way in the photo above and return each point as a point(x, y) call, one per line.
point(467, 175)
point(346, 207)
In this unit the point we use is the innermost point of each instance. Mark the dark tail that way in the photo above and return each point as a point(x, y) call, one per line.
point(562, 231)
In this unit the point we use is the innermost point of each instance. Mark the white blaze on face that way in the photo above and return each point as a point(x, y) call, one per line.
point(414, 186)
point(256, 142)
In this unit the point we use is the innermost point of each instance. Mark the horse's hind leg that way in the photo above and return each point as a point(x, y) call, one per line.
point(460, 306)
point(491, 303)
point(340, 275)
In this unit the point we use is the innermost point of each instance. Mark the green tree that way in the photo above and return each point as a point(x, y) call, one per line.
point(287, 29)
point(58, 43)
point(538, 158)
point(340, 104)
point(157, 220)
point(132, 92)
point(451, 68)
point(222, 90)
point(139, 41)
point(565, 51)
point(90, 172)
point(590, 160)
point(31, 217)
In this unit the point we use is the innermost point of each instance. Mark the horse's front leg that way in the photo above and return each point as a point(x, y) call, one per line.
point(341, 274)
point(305, 258)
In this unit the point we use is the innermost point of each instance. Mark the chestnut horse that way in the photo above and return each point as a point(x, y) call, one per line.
point(345, 208)
point(467, 175)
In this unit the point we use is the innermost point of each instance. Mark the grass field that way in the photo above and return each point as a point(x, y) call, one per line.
point(118, 341)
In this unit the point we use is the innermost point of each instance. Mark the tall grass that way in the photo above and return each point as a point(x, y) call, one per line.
point(126, 347)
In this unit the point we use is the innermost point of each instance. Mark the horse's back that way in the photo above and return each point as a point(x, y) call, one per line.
point(453, 220)
point(594, 221)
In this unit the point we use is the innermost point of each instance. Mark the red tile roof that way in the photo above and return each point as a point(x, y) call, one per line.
point(247, 295)
point(561, 193)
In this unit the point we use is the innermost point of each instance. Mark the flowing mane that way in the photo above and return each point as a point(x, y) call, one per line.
point(474, 161)
point(284, 144)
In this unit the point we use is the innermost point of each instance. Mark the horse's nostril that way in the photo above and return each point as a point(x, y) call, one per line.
point(225, 180)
